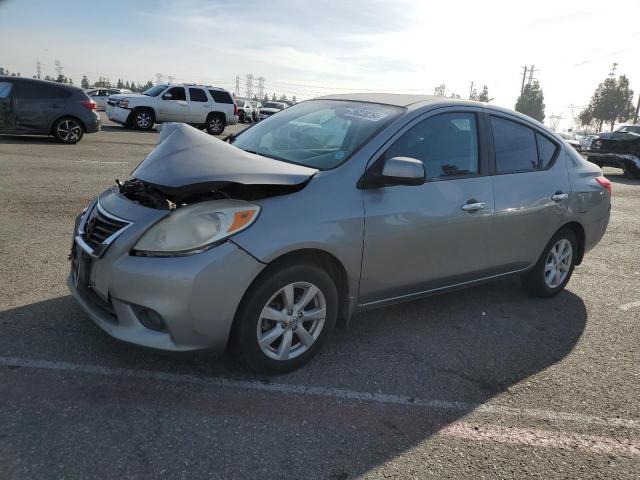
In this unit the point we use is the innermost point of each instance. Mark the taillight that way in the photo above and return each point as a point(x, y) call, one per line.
point(90, 104)
point(235, 107)
point(605, 183)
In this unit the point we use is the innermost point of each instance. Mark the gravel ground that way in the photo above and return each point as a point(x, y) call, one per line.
point(484, 382)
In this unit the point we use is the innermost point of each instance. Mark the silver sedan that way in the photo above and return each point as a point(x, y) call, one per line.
point(335, 205)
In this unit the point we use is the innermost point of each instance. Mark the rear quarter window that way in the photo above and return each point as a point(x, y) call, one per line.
point(220, 96)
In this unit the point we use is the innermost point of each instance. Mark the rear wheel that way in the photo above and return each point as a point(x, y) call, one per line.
point(631, 171)
point(68, 130)
point(143, 119)
point(554, 267)
point(215, 124)
point(286, 318)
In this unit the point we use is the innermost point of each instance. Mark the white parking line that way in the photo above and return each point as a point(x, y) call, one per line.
point(630, 305)
point(441, 405)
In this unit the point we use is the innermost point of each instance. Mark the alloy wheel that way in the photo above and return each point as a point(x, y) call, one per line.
point(143, 120)
point(291, 321)
point(69, 131)
point(216, 126)
point(558, 263)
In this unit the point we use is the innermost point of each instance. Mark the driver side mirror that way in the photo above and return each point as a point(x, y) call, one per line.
point(396, 171)
point(167, 96)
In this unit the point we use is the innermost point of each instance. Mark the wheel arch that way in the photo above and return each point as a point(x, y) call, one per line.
point(321, 258)
point(57, 119)
point(217, 113)
point(578, 230)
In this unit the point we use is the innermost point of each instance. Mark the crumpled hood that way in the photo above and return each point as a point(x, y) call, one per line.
point(186, 156)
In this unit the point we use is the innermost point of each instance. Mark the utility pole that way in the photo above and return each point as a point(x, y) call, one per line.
point(159, 78)
point(260, 88)
point(237, 91)
point(635, 117)
point(524, 75)
point(249, 84)
point(58, 64)
point(471, 92)
point(38, 69)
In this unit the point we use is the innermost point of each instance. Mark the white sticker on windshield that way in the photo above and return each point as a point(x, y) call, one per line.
point(364, 114)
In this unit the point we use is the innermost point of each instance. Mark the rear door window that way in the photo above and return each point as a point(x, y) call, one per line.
point(197, 95)
point(5, 89)
point(36, 90)
point(515, 146)
point(546, 150)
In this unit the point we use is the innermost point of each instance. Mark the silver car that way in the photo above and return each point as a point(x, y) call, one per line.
point(333, 206)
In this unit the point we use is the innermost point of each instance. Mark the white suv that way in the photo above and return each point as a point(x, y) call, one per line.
point(202, 106)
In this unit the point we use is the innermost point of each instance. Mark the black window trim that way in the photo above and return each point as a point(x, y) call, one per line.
point(484, 169)
point(171, 87)
point(536, 129)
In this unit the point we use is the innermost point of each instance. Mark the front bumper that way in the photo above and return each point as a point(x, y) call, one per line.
point(611, 159)
point(196, 296)
point(118, 114)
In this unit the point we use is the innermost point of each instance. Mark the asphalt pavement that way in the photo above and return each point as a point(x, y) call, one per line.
point(485, 382)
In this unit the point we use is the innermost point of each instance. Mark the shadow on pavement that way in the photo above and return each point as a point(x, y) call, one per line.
point(466, 346)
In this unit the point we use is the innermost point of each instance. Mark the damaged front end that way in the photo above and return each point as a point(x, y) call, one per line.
point(189, 166)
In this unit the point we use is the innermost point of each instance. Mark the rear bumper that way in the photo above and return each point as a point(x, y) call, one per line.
point(92, 124)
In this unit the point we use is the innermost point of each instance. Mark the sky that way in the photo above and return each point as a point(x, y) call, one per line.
point(311, 48)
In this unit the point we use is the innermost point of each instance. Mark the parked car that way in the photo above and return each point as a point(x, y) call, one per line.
point(30, 106)
point(618, 149)
point(585, 142)
point(202, 106)
point(333, 206)
point(256, 110)
point(571, 139)
point(100, 95)
point(245, 110)
point(269, 108)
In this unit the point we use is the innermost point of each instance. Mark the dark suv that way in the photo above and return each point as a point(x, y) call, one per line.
point(30, 106)
point(620, 149)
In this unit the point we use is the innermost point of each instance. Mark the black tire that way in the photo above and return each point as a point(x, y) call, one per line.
point(242, 117)
point(248, 318)
point(68, 130)
point(215, 124)
point(143, 119)
point(631, 171)
point(535, 281)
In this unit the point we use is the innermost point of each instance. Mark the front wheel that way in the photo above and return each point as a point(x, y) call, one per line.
point(143, 119)
point(286, 318)
point(554, 267)
point(68, 130)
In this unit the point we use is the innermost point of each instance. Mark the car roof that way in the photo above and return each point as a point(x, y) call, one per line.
point(37, 80)
point(395, 99)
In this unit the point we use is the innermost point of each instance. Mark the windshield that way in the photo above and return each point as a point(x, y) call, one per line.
point(629, 129)
point(279, 106)
point(154, 91)
point(319, 133)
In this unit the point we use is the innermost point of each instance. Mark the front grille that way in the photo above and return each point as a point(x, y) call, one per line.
point(99, 229)
point(111, 101)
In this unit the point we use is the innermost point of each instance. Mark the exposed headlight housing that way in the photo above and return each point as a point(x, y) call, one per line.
point(195, 228)
point(124, 103)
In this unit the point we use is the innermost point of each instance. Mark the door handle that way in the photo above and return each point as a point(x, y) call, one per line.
point(473, 207)
point(559, 196)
